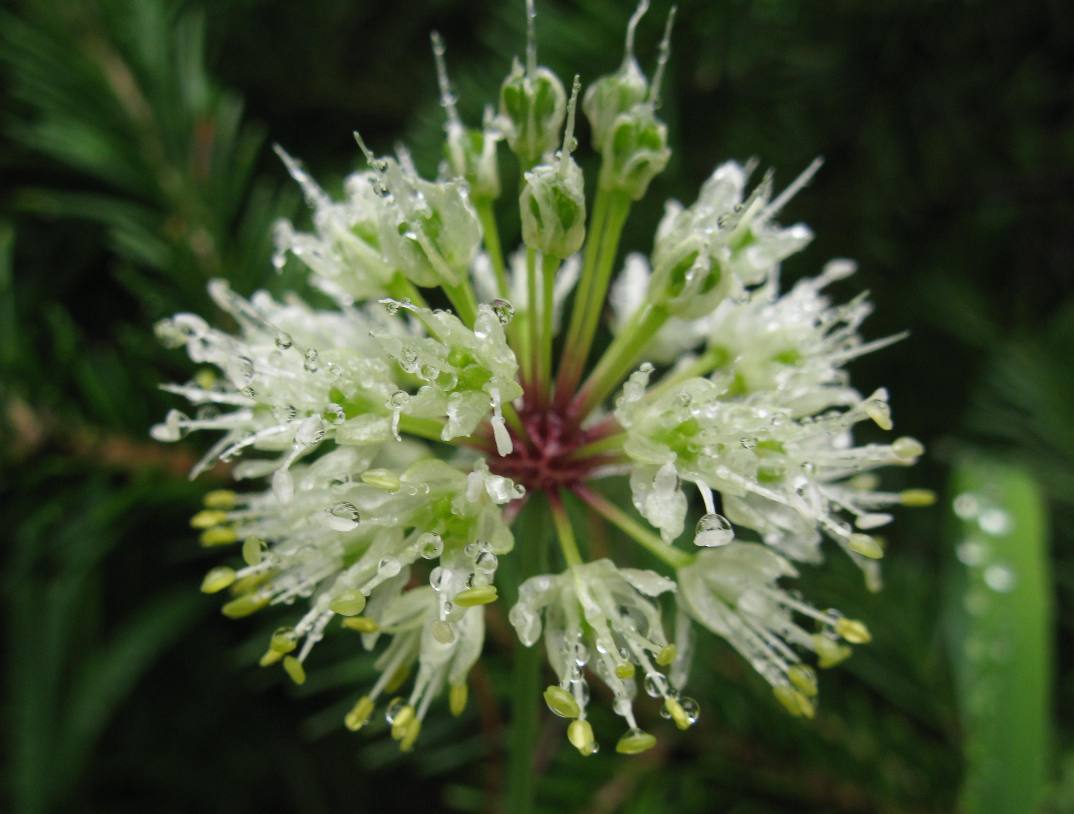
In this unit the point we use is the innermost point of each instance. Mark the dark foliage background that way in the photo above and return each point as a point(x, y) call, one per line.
point(133, 153)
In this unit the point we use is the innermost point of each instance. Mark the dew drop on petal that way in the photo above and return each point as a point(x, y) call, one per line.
point(713, 530)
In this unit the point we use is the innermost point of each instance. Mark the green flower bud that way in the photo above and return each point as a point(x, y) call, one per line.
point(428, 230)
point(471, 155)
point(552, 203)
point(611, 96)
point(532, 106)
point(635, 150)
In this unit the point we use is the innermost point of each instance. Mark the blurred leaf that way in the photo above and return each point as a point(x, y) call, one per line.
point(1002, 632)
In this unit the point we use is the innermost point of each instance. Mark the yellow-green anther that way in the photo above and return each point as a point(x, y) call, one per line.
point(207, 518)
point(219, 499)
point(853, 631)
point(362, 624)
point(879, 412)
point(205, 379)
point(457, 696)
point(561, 702)
point(293, 667)
point(244, 606)
point(625, 670)
point(271, 657)
point(349, 602)
point(677, 713)
point(666, 655)
point(803, 678)
point(829, 652)
point(382, 479)
point(252, 550)
point(907, 448)
point(248, 583)
point(794, 701)
point(398, 678)
point(472, 597)
point(866, 545)
point(580, 734)
point(635, 742)
point(218, 535)
point(283, 640)
point(917, 497)
point(401, 722)
point(217, 580)
point(413, 729)
point(359, 714)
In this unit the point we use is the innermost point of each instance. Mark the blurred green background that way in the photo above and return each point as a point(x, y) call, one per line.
point(134, 159)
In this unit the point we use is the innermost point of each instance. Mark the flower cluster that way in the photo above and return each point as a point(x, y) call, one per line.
point(402, 429)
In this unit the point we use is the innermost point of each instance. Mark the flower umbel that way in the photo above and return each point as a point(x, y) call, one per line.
point(402, 429)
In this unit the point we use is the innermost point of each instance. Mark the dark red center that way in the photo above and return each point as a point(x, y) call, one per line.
point(551, 456)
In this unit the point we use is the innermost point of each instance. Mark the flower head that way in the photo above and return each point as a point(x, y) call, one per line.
point(400, 440)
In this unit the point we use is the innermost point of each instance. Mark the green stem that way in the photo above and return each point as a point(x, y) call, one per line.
point(605, 446)
point(429, 428)
point(632, 528)
point(463, 300)
point(571, 368)
point(530, 560)
point(549, 267)
point(708, 361)
point(532, 320)
point(401, 288)
point(618, 210)
point(567, 543)
point(487, 216)
point(621, 355)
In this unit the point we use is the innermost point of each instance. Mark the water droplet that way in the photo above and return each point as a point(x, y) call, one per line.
point(438, 578)
point(390, 305)
point(691, 708)
point(486, 562)
point(580, 653)
point(311, 431)
point(430, 545)
point(389, 567)
point(713, 530)
point(284, 340)
point(342, 516)
point(971, 552)
point(310, 363)
point(504, 311)
point(1000, 578)
point(395, 706)
point(995, 522)
point(656, 684)
point(967, 505)
point(335, 414)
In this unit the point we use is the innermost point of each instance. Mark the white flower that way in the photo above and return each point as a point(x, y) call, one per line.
point(599, 616)
point(733, 592)
point(400, 440)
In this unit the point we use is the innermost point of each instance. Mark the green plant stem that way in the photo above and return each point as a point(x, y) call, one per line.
point(401, 288)
point(549, 267)
point(649, 540)
point(463, 300)
point(609, 216)
point(621, 355)
point(531, 533)
point(487, 215)
point(532, 320)
point(567, 543)
point(611, 445)
point(708, 361)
